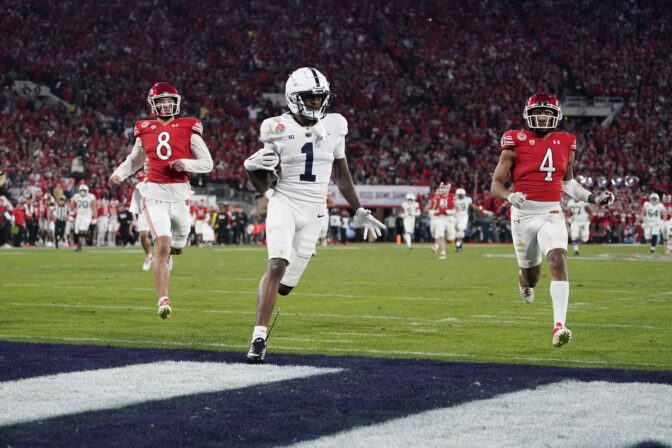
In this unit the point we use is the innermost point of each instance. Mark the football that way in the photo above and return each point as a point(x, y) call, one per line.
point(268, 177)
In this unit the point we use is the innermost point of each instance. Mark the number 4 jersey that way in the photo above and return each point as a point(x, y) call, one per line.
point(306, 154)
point(161, 144)
point(540, 163)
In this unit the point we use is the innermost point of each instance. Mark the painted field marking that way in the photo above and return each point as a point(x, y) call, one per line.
point(75, 392)
point(479, 357)
point(568, 413)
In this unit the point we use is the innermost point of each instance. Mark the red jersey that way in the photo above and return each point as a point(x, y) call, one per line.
point(668, 208)
point(165, 143)
point(540, 163)
point(442, 203)
point(201, 212)
point(103, 210)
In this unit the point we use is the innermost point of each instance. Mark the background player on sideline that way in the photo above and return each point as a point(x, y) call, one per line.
point(441, 208)
point(85, 205)
point(652, 216)
point(579, 222)
point(410, 210)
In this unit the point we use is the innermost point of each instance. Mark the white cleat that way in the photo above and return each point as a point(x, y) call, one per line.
point(148, 263)
point(442, 256)
point(561, 335)
point(526, 293)
point(170, 263)
point(164, 307)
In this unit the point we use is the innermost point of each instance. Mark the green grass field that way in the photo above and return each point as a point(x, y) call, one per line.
point(363, 300)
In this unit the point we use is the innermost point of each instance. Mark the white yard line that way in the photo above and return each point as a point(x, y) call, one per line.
point(596, 413)
point(69, 393)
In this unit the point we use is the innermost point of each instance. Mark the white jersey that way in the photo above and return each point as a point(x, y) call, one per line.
point(410, 209)
point(462, 206)
point(306, 154)
point(653, 213)
point(578, 211)
point(84, 204)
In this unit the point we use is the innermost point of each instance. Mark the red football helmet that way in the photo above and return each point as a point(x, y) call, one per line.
point(546, 102)
point(667, 198)
point(164, 109)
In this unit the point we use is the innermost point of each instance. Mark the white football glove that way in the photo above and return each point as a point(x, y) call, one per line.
point(262, 160)
point(517, 199)
point(369, 223)
point(605, 199)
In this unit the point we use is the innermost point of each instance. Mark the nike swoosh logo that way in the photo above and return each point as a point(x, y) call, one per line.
point(320, 216)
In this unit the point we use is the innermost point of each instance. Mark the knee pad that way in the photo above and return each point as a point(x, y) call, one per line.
point(284, 290)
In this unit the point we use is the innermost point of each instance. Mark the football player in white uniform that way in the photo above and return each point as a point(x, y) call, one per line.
point(462, 205)
point(85, 205)
point(579, 222)
point(300, 149)
point(410, 210)
point(652, 216)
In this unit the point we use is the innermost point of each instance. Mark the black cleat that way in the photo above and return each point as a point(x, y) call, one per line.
point(257, 351)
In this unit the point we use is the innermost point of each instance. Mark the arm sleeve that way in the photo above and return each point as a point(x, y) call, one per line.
point(202, 161)
point(574, 190)
point(133, 162)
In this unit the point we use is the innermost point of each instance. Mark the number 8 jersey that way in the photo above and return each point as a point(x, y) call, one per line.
point(306, 154)
point(540, 163)
point(165, 143)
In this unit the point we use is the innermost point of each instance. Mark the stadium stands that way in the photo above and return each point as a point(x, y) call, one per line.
point(427, 87)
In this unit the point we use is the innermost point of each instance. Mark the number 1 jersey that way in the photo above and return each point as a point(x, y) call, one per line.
point(540, 163)
point(306, 154)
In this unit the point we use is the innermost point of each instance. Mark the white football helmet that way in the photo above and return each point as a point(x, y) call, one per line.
point(410, 197)
point(654, 198)
point(307, 81)
point(460, 192)
point(83, 190)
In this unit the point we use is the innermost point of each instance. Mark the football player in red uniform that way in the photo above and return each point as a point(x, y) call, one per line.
point(541, 162)
point(172, 147)
point(441, 207)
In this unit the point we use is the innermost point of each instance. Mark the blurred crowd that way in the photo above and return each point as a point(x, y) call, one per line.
point(428, 87)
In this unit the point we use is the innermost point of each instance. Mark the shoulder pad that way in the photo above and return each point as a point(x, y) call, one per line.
point(337, 123)
point(272, 129)
point(193, 123)
point(140, 126)
point(508, 139)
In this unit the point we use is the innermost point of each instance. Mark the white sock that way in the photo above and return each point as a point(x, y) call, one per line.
point(407, 238)
point(576, 248)
point(560, 297)
point(259, 332)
